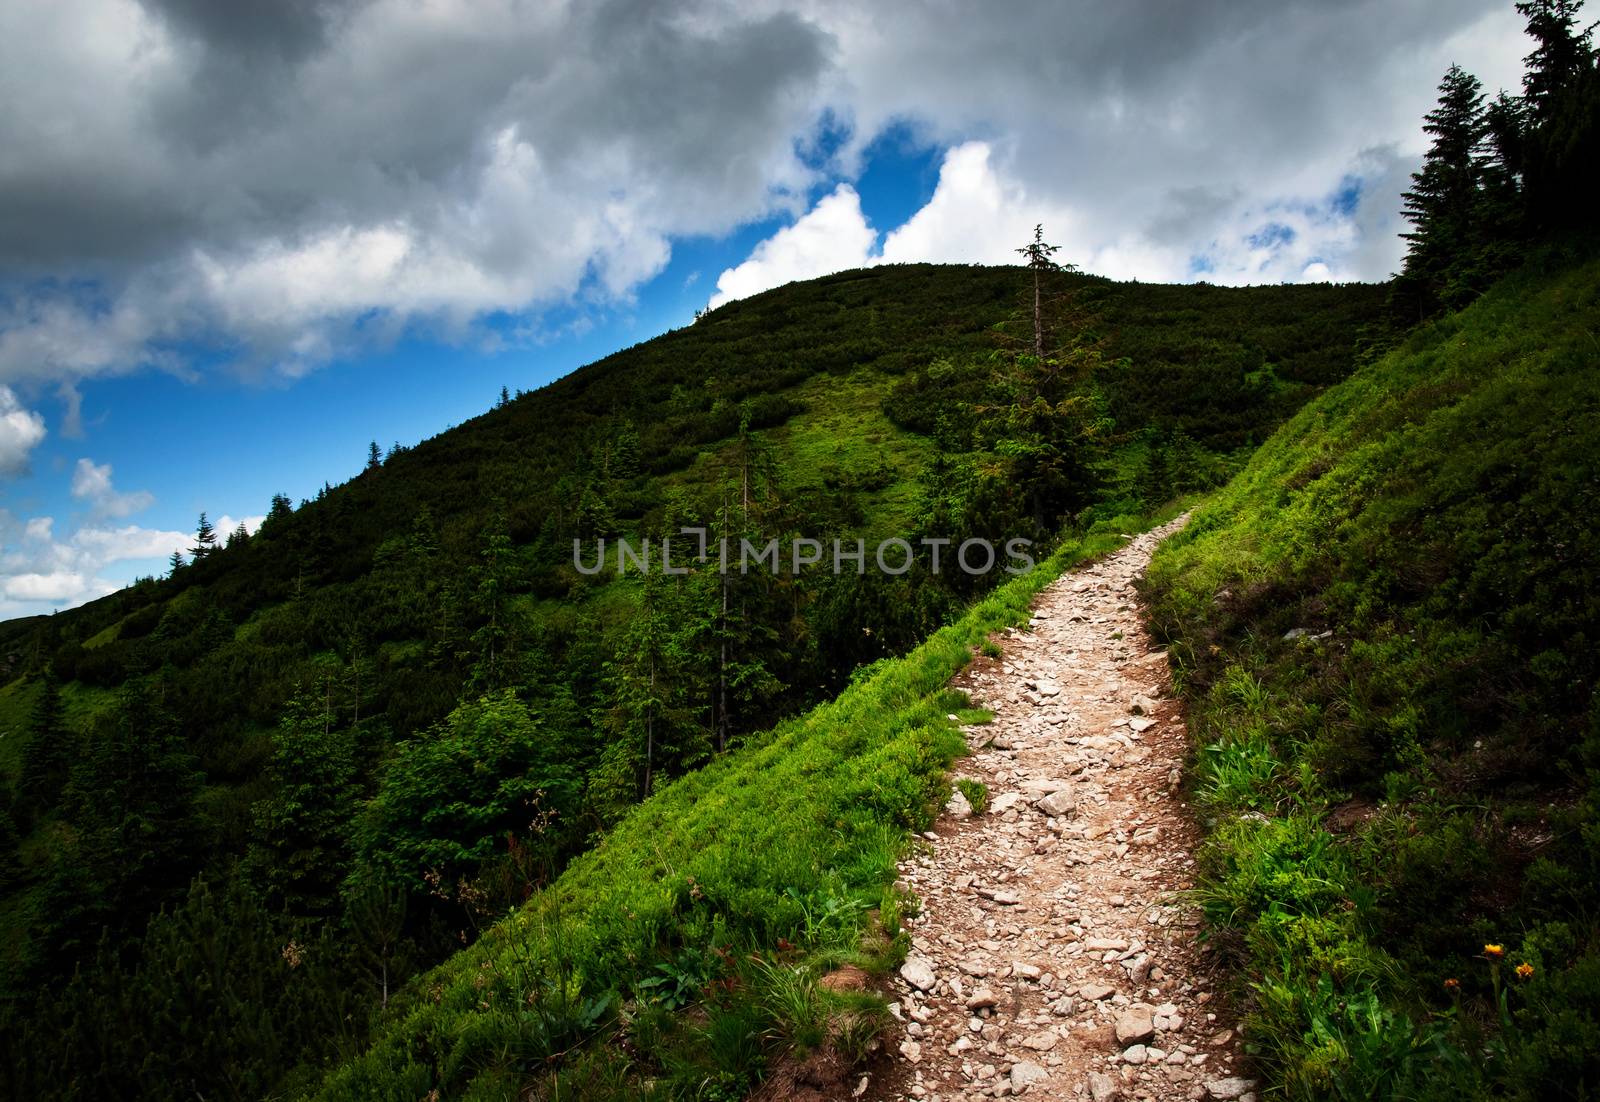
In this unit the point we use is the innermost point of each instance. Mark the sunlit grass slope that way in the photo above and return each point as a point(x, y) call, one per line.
point(1385, 627)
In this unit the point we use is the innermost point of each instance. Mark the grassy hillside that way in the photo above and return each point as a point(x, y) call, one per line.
point(1385, 627)
point(735, 889)
point(398, 708)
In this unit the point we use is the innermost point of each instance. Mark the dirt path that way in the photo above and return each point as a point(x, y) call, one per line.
point(1052, 956)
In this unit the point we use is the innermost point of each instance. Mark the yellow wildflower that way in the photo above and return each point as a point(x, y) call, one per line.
point(1494, 952)
point(1524, 971)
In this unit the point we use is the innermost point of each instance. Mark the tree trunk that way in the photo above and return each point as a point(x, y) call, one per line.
point(1038, 320)
point(722, 674)
point(650, 732)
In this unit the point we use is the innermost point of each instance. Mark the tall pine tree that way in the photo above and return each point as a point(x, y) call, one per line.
point(1445, 201)
point(1561, 91)
point(300, 847)
point(44, 758)
point(205, 539)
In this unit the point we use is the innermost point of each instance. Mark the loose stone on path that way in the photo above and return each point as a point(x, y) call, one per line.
point(1054, 955)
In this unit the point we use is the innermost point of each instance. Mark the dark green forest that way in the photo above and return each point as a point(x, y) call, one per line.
point(389, 798)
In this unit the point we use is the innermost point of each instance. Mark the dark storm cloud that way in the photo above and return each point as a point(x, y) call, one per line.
point(287, 28)
point(263, 118)
point(264, 171)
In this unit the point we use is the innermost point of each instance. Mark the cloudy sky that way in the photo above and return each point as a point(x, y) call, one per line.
point(239, 240)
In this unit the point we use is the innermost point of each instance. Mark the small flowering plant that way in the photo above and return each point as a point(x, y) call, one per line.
point(1495, 954)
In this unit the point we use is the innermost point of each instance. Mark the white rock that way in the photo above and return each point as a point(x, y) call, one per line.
point(1135, 1026)
point(1025, 1073)
point(1058, 805)
point(1005, 802)
point(918, 973)
point(1103, 1088)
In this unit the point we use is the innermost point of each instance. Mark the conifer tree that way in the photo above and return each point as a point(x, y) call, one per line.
point(1040, 260)
point(1561, 93)
point(1506, 125)
point(1156, 483)
point(1445, 201)
point(1560, 56)
point(279, 511)
point(300, 846)
point(130, 802)
point(44, 758)
point(374, 456)
point(492, 582)
point(10, 852)
point(644, 690)
point(205, 539)
point(625, 453)
point(376, 912)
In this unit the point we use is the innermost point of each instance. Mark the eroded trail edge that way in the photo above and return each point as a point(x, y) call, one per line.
point(1054, 955)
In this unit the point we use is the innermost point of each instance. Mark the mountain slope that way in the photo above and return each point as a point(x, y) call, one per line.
point(732, 888)
point(353, 724)
point(1385, 627)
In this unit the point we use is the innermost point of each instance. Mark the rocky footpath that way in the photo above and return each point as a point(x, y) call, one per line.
point(1053, 955)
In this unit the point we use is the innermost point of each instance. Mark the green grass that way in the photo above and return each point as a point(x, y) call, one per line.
point(733, 888)
point(976, 792)
point(82, 705)
point(101, 638)
point(1385, 799)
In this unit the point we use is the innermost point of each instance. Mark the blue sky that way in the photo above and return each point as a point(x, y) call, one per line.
point(245, 255)
point(214, 441)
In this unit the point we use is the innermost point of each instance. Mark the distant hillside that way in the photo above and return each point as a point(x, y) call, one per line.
point(1385, 627)
point(399, 708)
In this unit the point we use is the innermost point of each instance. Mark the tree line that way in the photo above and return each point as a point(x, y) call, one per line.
point(1501, 174)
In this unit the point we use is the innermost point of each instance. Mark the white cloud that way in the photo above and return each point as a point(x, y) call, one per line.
point(289, 183)
point(21, 430)
point(61, 586)
point(979, 214)
point(99, 547)
point(92, 483)
point(974, 217)
point(40, 573)
point(227, 525)
point(831, 237)
point(286, 184)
